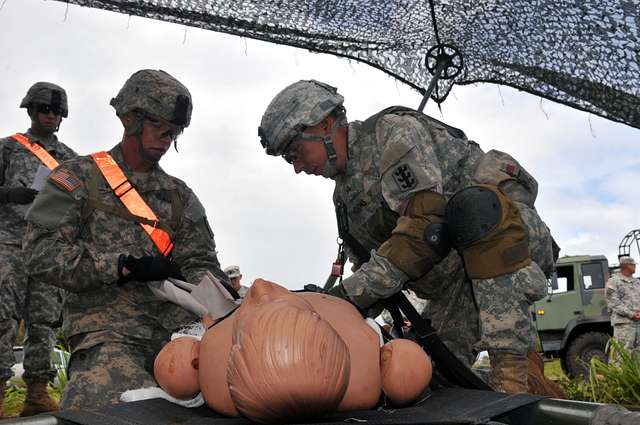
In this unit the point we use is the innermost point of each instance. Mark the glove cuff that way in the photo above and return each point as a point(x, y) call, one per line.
point(122, 260)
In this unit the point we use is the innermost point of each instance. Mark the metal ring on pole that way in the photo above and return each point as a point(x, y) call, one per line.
point(444, 54)
point(443, 61)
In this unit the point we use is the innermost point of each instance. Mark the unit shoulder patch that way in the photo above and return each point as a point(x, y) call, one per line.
point(64, 179)
point(404, 177)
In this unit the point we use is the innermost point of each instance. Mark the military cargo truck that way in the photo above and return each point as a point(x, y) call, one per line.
point(573, 319)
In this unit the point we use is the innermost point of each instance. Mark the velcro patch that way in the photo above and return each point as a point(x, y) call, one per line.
point(64, 180)
point(404, 177)
point(510, 169)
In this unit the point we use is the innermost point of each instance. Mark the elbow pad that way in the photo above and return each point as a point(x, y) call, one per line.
point(486, 227)
point(419, 241)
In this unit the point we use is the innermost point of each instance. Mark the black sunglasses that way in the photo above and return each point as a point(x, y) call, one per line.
point(45, 109)
point(173, 132)
point(290, 153)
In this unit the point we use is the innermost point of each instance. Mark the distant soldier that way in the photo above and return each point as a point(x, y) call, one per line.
point(233, 272)
point(105, 224)
point(410, 188)
point(39, 304)
point(623, 299)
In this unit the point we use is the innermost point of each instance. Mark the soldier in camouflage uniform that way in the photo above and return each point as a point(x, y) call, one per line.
point(400, 176)
point(38, 303)
point(84, 238)
point(623, 299)
point(234, 275)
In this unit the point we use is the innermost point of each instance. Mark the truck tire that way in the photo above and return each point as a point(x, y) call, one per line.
point(582, 349)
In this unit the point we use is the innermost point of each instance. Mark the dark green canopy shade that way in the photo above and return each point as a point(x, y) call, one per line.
point(582, 53)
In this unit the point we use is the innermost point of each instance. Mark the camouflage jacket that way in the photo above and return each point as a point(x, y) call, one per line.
point(391, 157)
point(623, 298)
point(395, 154)
point(18, 167)
point(75, 241)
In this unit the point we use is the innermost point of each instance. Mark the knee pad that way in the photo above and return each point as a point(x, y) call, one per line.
point(487, 229)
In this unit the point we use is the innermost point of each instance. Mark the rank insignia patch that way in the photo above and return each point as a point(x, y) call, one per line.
point(64, 180)
point(404, 177)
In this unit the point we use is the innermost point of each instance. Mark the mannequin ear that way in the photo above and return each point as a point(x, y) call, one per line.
point(406, 371)
point(176, 367)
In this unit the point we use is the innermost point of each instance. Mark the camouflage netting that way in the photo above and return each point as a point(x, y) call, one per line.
point(583, 53)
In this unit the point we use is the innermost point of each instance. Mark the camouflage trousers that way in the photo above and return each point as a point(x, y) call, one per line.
point(39, 304)
point(628, 335)
point(503, 302)
point(98, 375)
point(450, 306)
point(488, 314)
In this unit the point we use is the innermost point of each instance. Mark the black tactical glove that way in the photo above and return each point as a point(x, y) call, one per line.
point(147, 268)
point(17, 195)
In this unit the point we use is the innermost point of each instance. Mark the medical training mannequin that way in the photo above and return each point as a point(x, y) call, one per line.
point(283, 356)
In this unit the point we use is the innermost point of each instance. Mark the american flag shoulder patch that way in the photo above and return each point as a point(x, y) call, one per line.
point(64, 180)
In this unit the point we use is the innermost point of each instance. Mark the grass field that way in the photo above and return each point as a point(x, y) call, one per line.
point(15, 395)
point(553, 370)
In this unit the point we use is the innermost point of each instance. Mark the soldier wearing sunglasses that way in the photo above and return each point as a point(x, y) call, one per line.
point(38, 303)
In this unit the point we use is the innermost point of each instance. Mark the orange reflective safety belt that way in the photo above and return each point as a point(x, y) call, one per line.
point(44, 156)
point(124, 190)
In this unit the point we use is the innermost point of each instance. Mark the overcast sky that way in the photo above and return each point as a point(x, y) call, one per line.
point(269, 221)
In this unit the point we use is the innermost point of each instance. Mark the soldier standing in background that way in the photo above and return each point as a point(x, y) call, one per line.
point(400, 177)
point(105, 224)
point(623, 299)
point(233, 272)
point(39, 304)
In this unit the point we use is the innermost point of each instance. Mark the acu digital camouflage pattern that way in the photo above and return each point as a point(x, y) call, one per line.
point(100, 374)
point(18, 167)
point(76, 245)
point(154, 92)
point(623, 300)
point(302, 104)
point(38, 303)
point(42, 93)
point(393, 157)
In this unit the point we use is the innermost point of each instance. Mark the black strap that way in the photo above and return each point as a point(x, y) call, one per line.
point(362, 255)
point(370, 123)
point(398, 320)
point(449, 366)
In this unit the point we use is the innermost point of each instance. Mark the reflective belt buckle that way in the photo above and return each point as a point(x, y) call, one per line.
point(122, 189)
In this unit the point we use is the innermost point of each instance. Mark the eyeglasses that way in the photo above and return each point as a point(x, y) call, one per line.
point(45, 109)
point(172, 131)
point(291, 152)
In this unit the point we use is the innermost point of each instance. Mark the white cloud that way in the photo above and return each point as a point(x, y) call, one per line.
point(269, 221)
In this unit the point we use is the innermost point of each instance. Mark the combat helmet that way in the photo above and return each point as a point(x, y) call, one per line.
point(302, 104)
point(156, 94)
point(43, 93)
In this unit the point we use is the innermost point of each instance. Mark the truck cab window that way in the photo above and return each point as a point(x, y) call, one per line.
point(592, 276)
point(562, 280)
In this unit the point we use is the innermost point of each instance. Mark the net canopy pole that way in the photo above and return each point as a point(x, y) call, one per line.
point(442, 65)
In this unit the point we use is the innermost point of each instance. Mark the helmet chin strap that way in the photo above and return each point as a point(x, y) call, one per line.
point(331, 166)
